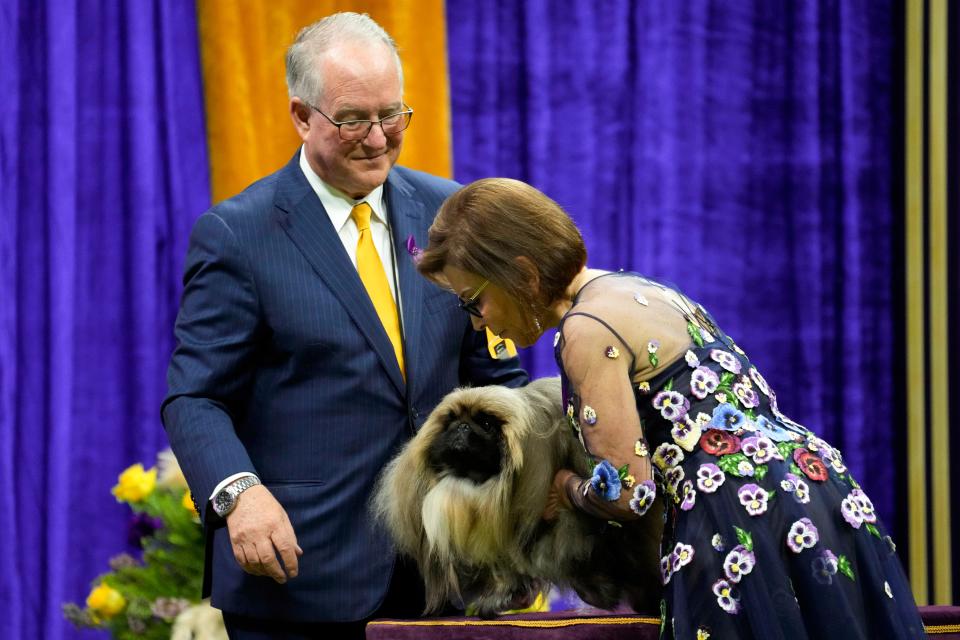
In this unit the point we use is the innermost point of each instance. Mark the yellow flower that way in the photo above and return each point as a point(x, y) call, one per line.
point(135, 484)
point(105, 601)
point(187, 502)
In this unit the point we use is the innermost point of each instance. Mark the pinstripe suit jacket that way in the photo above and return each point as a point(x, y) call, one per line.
point(282, 368)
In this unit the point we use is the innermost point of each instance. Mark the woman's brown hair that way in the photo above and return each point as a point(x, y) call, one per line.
point(485, 226)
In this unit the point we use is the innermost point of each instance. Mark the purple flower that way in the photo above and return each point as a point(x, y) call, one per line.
point(759, 381)
point(643, 496)
point(760, 448)
point(672, 405)
point(745, 393)
point(413, 249)
point(738, 563)
point(691, 358)
point(710, 477)
point(122, 561)
point(606, 481)
point(666, 567)
point(834, 459)
point(753, 498)
point(667, 455)
point(850, 509)
point(717, 542)
point(682, 556)
point(727, 418)
point(866, 506)
point(727, 596)
point(703, 382)
point(745, 469)
point(824, 567)
point(673, 477)
point(803, 534)
point(169, 608)
point(795, 485)
point(142, 526)
point(726, 360)
point(689, 496)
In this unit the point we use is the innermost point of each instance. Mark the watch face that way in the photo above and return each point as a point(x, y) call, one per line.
point(223, 502)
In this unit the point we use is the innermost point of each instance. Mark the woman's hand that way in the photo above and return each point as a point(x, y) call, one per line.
point(557, 497)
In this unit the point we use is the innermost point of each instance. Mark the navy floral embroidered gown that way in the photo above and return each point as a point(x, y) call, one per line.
point(766, 532)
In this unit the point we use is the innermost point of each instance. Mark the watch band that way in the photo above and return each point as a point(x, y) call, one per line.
point(225, 501)
point(240, 485)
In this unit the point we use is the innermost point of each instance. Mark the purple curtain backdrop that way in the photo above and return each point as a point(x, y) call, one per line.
point(741, 150)
point(103, 160)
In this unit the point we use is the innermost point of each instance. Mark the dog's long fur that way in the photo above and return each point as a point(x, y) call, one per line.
point(484, 542)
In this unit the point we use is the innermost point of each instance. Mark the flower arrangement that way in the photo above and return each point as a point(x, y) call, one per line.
point(156, 596)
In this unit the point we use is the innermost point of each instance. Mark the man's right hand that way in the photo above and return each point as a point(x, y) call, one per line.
point(259, 531)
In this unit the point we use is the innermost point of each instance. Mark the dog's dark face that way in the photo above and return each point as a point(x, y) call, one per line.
point(470, 446)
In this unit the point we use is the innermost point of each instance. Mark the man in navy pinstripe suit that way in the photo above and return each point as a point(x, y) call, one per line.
point(286, 395)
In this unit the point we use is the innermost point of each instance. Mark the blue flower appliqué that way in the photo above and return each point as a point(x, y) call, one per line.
point(606, 481)
point(726, 417)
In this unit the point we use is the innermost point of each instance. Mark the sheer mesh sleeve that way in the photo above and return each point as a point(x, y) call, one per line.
point(599, 367)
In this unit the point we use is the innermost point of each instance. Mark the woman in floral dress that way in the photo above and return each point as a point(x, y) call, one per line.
point(766, 532)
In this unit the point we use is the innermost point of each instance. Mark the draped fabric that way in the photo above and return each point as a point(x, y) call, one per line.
point(743, 151)
point(243, 46)
point(103, 162)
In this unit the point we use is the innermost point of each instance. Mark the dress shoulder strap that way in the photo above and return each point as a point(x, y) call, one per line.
point(633, 357)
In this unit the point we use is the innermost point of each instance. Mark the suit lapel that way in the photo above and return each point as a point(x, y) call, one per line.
point(407, 219)
point(308, 226)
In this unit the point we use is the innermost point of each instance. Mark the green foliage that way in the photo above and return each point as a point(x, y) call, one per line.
point(165, 582)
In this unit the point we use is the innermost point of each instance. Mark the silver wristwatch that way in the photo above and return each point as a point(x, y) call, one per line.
point(226, 498)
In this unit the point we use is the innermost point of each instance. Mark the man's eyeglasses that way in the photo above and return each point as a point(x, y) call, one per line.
point(470, 304)
point(353, 130)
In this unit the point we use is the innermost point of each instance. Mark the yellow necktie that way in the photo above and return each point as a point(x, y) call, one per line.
point(374, 279)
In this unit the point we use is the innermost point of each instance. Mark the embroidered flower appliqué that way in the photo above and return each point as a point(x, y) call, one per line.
point(606, 481)
point(672, 405)
point(803, 534)
point(667, 455)
point(589, 415)
point(710, 477)
point(727, 596)
point(652, 348)
point(682, 556)
point(726, 360)
point(703, 382)
point(850, 509)
point(824, 567)
point(719, 443)
point(688, 496)
point(717, 542)
point(685, 434)
point(738, 563)
point(640, 449)
point(760, 448)
point(753, 498)
point(811, 465)
point(726, 417)
point(612, 352)
point(643, 496)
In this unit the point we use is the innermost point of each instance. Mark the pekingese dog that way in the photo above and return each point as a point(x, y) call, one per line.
point(465, 497)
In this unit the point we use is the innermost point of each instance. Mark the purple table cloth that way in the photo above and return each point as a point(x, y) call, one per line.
point(942, 622)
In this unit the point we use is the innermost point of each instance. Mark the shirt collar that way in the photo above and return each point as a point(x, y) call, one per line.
point(337, 204)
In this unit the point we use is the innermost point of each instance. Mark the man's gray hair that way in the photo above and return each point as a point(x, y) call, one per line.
point(313, 41)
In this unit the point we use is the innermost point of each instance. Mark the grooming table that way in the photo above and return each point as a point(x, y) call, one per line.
point(942, 622)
